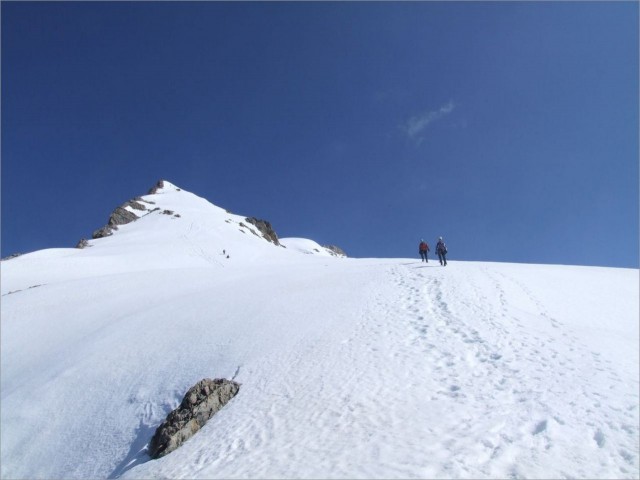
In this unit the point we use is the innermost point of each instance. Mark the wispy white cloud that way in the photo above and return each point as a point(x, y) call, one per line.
point(416, 126)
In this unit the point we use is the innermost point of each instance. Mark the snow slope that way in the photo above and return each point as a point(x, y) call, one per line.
point(350, 368)
point(310, 247)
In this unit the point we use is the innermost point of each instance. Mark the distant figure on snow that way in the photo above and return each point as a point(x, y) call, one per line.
point(441, 250)
point(423, 249)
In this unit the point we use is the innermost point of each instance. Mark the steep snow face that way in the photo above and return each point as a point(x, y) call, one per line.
point(350, 368)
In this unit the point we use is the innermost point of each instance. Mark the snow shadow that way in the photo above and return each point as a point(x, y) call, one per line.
point(137, 453)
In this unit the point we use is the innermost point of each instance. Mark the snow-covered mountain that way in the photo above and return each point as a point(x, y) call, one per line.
point(350, 368)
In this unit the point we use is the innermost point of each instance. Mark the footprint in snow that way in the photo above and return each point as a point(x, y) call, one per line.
point(540, 427)
point(599, 438)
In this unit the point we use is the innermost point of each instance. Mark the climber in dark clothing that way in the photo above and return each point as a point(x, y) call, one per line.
point(441, 250)
point(423, 249)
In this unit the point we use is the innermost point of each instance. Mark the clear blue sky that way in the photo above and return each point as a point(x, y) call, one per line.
point(509, 128)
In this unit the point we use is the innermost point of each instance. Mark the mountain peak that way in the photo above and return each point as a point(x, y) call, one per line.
point(177, 220)
point(163, 186)
point(133, 209)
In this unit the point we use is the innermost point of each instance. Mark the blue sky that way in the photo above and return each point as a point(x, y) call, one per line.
point(509, 128)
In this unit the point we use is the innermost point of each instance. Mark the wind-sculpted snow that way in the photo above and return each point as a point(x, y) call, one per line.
point(350, 368)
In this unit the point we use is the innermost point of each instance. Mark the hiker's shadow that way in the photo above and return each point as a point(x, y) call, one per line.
point(138, 453)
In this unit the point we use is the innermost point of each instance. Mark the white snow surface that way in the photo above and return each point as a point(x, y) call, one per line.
point(304, 245)
point(350, 368)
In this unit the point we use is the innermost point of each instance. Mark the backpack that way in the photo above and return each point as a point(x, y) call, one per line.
point(424, 247)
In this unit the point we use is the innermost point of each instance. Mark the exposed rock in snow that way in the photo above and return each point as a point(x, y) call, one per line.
point(199, 404)
point(131, 210)
point(83, 243)
point(120, 216)
point(156, 187)
point(334, 250)
point(265, 228)
point(13, 255)
point(162, 185)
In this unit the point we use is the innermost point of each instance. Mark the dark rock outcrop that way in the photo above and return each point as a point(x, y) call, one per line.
point(83, 243)
point(120, 216)
point(13, 255)
point(199, 404)
point(156, 187)
point(337, 251)
point(265, 228)
point(102, 232)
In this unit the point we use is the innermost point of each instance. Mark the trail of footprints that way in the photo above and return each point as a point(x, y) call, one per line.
point(595, 367)
point(487, 367)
